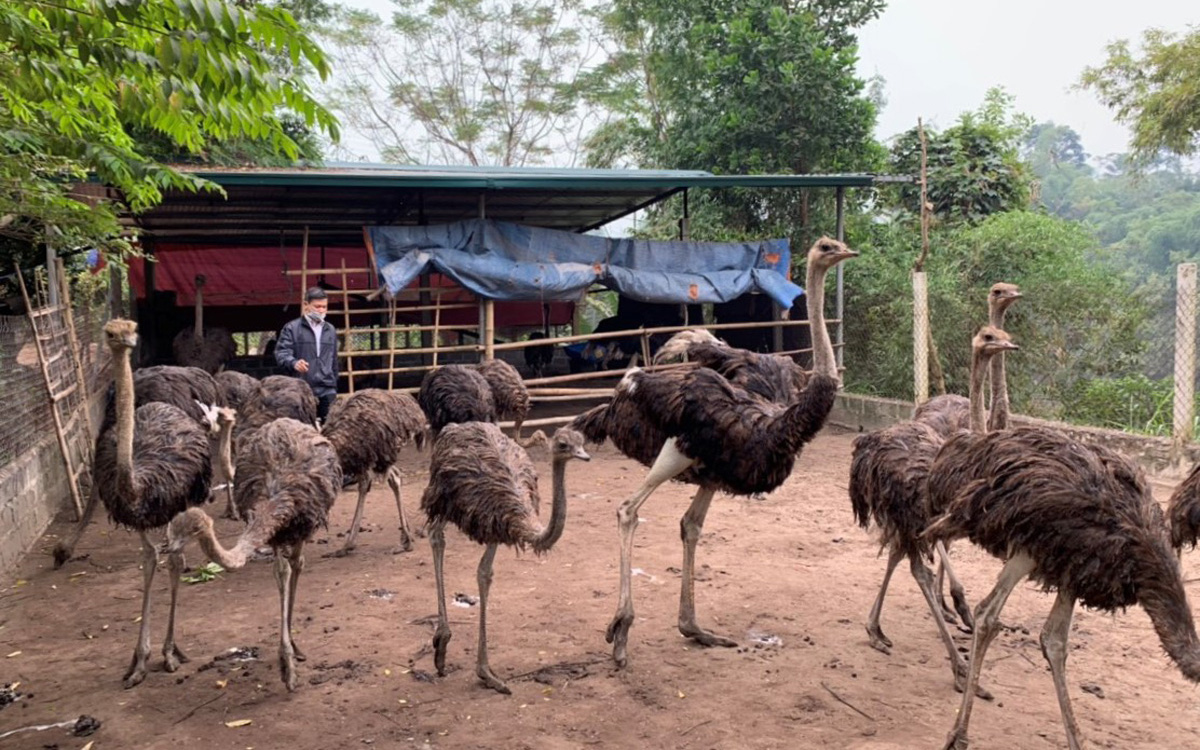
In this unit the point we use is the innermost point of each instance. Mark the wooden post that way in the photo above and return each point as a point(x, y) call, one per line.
point(391, 339)
point(304, 269)
point(51, 398)
point(841, 297)
point(116, 294)
point(73, 341)
point(349, 336)
point(437, 329)
point(920, 338)
point(1185, 359)
point(489, 328)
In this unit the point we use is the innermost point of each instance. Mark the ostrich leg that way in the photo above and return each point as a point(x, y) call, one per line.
point(64, 550)
point(689, 528)
point(441, 636)
point(393, 480)
point(364, 486)
point(879, 641)
point(287, 655)
point(670, 462)
point(137, 668)
point(484, 577)
point(231, 510)
point(172, 656)
point(1054, 647)
point(297, 560)
point(924, 577)
point(957, 593)
point(987, 625)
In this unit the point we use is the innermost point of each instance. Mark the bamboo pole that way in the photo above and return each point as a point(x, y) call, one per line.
point(489, 329)
point(1185, 359)
point(402, 309)
point(74, 342)
point(391, 344)
point(437, 329)
point(58, 427)
point(303, 269)
point(349, 334)
point(326, 270)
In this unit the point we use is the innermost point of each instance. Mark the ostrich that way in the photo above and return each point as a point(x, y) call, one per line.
point(538, 357)
point(694, 425)
point(288, 478)
point(207, 349)
point(1183, 511)
point(237, 388)
point(774, 377)
point(483, 482)
point(887, 484)
point(367, 430)
point(189, 389)
point(949, 413)
point(453, 394)
point(1074, 518)
point(151, 465)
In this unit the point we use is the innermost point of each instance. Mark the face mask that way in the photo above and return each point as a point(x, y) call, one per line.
point(316, 317)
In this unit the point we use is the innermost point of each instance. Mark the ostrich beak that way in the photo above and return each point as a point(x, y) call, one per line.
point(582, 455)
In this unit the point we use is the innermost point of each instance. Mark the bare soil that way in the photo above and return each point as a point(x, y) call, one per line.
point(790, 576)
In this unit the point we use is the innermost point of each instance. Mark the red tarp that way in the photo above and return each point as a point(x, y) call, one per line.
point(244, 276)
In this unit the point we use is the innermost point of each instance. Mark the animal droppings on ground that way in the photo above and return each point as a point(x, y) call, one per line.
point(465, 600)
point(1093, 688)
point(235, 654)
point(9, 694)
point(383, 594)
point(85, 725)
point(764, 639)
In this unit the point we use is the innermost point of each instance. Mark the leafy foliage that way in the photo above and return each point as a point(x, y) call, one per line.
point(78, 76)
point(1154, 93)
point(465, 81)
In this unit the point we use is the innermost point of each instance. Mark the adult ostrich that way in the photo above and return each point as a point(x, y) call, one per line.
point(151, 465)
point(483, 482)
point(694, 425)
point(949, 413)
point(484, 392)
point(237, 388)
point(774, 377)
point(197, 347)
point(1077, 519)
point(189, 389)
point(288, 477)
point(368, 430)
point(1183, 511)
point(888, 476)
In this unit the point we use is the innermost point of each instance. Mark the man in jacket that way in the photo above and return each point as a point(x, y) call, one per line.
point(307, 348)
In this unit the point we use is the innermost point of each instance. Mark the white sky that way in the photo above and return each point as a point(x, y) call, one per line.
point(939, 57)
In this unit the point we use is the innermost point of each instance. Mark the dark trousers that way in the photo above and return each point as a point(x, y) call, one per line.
point(323, 404)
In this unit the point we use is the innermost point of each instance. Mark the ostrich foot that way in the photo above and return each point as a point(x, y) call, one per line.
point(343, 552)
point(136, 672)
point(879, 641)
point(964, 611)
point(957, 740)
point(618, 635)
point(406, 545)
point(440, 639)
point(948, 615)
point(960, 684)
point(287, 670)
point(298, 655)
point(231, 512)
point(61, 555)
point(173, 657)
point(489, 678)
point(705, 637)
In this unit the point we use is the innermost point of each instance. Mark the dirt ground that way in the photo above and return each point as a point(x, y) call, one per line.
point(790, 576)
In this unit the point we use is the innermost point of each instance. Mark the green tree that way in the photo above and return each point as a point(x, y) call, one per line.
point(466, 81)
point(77, 76)
point(1155, 93)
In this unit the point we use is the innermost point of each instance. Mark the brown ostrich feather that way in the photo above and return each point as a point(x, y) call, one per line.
point(369, 428)
point(209, 353)
point(945, 414)
point(278, 396)
point(1183, 511)
point(453, 394)
point(773, 377)
point(509, 394)
point(887, 484)
point(237, 388)
point(181, 387)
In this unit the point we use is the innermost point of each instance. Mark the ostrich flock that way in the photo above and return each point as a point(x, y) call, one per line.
point(1077, 519)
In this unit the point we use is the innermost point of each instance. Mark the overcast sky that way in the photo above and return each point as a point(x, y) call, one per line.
point(939, 57)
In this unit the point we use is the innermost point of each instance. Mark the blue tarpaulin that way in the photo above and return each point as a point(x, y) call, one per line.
point(504, 261)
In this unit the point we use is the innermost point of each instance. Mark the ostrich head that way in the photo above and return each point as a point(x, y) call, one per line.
point(1002, 295)
point(566, 444)
point(827, 253)
point(121, 333)
point(199, 280)
point(191, 524)
point(217, 417)
point(991, 340)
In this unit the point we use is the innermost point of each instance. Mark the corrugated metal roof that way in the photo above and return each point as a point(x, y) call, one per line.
point(337, 199)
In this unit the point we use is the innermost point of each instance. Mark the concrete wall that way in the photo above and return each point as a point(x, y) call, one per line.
point(866, 413)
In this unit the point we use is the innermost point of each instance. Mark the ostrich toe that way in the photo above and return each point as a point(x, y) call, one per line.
point(957, 740)
point(707, 638)
point(879, 641)
point(135, 674)
point(490, 679)
point(440, 639)
point(618, 635)
point(61, 555)
point(960, 683)
point(173, 656)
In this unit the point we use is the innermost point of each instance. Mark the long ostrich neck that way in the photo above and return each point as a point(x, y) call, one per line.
point(1161, 594)
point(123, 384)
point(824, 361)
point(195, 522)
point(558, 509)
point(998, 419)
point(225, 449)
point(199, 332)
point(978, 414)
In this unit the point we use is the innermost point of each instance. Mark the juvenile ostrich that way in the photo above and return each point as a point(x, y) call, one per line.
point(237, 388)
point(151, 465)
point(453, 394)
point(949, 413)
point(483, 482)
point(888, 476)
point(1077, 519)
point(189, 389)
point(694, 425)
point(288, 478)
point(368, 430)
point(1183, 511)
point(207, 349)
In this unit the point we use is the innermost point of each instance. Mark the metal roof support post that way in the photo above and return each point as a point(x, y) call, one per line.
point(841, 237)
point(685, 234)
